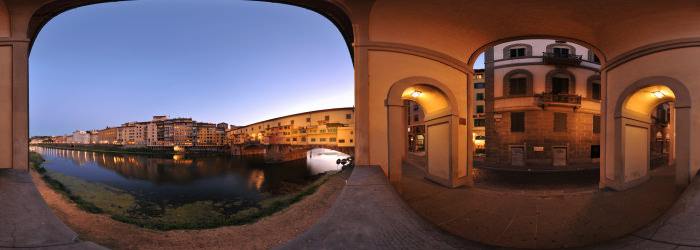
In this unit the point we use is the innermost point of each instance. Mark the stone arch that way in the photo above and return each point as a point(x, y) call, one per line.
point(442, 133)
point(589, 86)
point(589, 46)
point(528, 85)
point(632, 123)
point(528, 49)
point(551, 74)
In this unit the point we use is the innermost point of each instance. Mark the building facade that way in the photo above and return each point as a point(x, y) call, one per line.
point(479, 111)
point(542, 106)
point(322, 127)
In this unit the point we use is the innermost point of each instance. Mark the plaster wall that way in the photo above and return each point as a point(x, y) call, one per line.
point(387, 68)
point(4, 20)
point(6, 106)
point(683, 68)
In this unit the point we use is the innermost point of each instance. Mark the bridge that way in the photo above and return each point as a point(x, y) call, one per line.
point(283, 152)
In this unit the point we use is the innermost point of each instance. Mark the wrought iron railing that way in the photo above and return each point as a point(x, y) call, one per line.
point(551, 98)
point(561, 58)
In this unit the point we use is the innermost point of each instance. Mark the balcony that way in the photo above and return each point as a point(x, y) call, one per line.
point(561, 59)
point(565, 100)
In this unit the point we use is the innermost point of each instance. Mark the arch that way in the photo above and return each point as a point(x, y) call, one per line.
point(633, 119)
point(335, 13)
point(441, 122)
point(551, 74)
point(589, 46)
point(396, 96)
point(506, 50)
point(528, 85)
point(589, 86)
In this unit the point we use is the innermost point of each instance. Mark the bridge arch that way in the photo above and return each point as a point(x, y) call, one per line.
point(632, 123)
point(442, 130)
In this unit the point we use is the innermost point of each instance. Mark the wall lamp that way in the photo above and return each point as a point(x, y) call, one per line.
point(658, 94)
point(416, 93)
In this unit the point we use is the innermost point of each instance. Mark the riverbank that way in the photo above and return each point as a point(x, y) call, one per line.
point(120, 150)
point(267, 232)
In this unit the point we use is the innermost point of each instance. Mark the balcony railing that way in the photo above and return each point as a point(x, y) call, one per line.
point(551, 99)
point(561, 59)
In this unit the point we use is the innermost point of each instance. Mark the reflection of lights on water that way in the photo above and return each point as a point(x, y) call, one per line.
point(256, 179)
point(178, 157)
point(323, 160)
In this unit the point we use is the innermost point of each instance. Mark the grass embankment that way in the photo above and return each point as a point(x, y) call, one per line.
point(96, 197)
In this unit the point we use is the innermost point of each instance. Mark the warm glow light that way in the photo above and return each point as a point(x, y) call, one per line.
point(658, 94)
point(417, 94)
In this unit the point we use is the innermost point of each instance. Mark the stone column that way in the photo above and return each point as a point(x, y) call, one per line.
point(20, 105)
point(396, 134)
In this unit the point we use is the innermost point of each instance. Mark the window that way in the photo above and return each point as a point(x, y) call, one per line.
point(479, 85)
point(479, 109)
point(327, 118)
point(348, 116)
point(322, 139)
point(559, 122)
point(596, 124)
point(415, 107)
point(331, 140)
point(517, 122)
point(415, 118)
point(341, 141)
point(303, 139)
point(560, 85)
point(308, 119)
point(294, 139)
point(479, 96)
point(596, 59)
point(518, 86)
point(595, 89)
point(561, 52)
point(292, 122)
point(279, 124)
point(479, 76)
point(479, 122)
point(517, 52)
point(350, 140)
point(595, 151)
point(313, 139)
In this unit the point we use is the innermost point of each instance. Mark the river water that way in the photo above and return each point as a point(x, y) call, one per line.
point(145, 186)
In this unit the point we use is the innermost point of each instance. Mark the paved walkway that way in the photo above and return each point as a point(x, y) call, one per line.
point(370, 214)
point(559, 217)
point(26, 221)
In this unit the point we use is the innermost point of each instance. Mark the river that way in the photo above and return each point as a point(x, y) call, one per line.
point(162, 188)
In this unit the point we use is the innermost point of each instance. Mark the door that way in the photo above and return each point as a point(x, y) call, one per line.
point(517, 156)
point(559, 159)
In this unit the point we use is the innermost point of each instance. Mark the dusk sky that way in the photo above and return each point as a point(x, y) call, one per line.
point(212, 60)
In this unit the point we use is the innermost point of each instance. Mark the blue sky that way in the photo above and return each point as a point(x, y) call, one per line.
point(212, 60)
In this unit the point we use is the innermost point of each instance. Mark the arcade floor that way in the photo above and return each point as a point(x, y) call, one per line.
point(547, 211)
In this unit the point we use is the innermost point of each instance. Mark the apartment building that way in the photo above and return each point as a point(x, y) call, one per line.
point(321, 127)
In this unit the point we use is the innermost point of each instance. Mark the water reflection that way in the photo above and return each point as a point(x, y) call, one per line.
point(322, 160)
point(189, 178)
